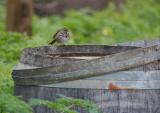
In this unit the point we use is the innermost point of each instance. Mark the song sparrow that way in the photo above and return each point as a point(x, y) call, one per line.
point(61, 36)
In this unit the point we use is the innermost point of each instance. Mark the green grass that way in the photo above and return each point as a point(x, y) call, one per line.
point(136, 20)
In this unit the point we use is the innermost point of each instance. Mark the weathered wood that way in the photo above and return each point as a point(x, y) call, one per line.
point(51, 56)
point(77, 50)
point(119, 101)
point(19, 16)
point(130, 79)
point(145, 99)
point(141, 43)
point(89, 68)
point(144, 43)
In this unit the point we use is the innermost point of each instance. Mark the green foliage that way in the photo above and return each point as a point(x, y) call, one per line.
point(66, 105)
point(135, 20)
point(11, 45)
point(11, 104)
point(8, 102)
point(6, 82)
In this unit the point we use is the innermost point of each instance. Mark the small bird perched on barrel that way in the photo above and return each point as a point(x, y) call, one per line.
point(61, 36)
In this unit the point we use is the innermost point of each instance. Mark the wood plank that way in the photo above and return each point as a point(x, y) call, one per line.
point(51, 56)
point(126, 101)
point(144, 43)
point(77, 50)
point(45, 61)
point(141, 43)
point(82, 69)
point(130, 79)
point(104, 84)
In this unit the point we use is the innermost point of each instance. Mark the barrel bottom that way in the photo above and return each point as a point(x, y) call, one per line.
point(117, 101)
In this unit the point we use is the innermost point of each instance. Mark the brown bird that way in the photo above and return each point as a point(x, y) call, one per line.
point(61, 36)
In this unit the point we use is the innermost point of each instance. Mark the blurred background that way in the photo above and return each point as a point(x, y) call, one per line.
point(30, 23)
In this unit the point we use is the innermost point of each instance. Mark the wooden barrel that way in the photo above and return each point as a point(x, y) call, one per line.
point(92, 72)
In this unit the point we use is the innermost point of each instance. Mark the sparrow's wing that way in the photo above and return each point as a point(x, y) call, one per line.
point(52, 42)
point(55, 35)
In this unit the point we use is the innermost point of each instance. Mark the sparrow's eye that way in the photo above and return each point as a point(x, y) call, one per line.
point(66, 34)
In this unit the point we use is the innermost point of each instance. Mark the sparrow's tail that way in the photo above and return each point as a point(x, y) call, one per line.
point(53, 41)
